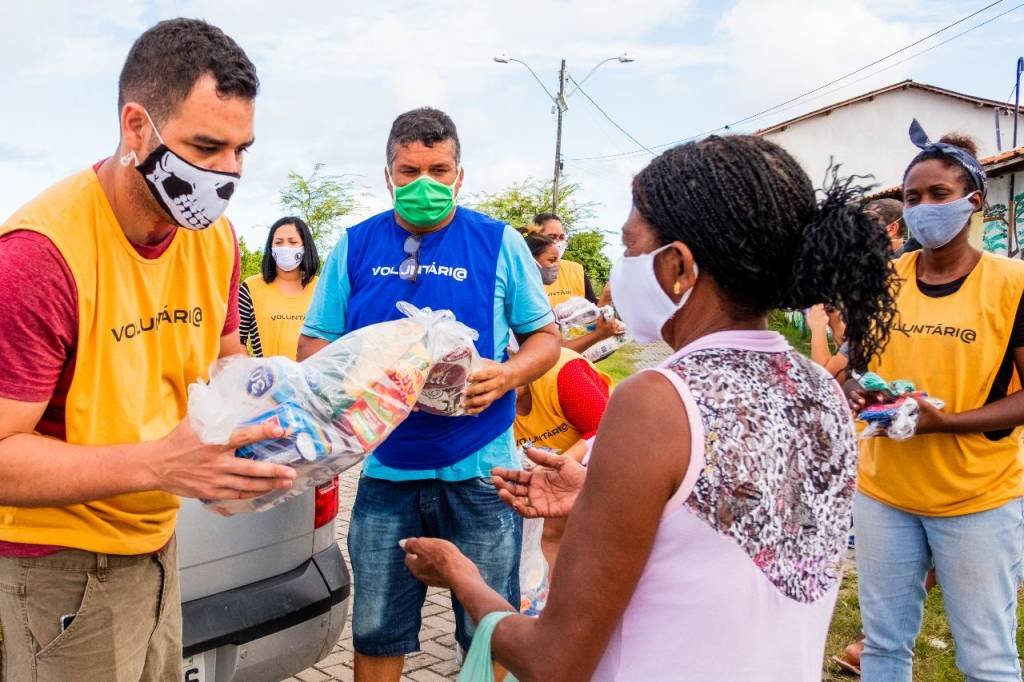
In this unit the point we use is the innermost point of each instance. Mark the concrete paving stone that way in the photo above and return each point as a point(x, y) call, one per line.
point(420, 660)
point(438, 650)
point(439, 622)
point(340, 673)
point(312, 675)
point(428, 675)
point(340, 658)
point(448, 668)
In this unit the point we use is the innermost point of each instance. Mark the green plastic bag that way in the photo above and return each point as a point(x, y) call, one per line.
point(477, 667)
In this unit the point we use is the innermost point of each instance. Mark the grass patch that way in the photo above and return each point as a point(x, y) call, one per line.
point(618, 365)
point(932, 663)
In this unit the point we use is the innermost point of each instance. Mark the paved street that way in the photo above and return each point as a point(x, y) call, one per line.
point(435, 661)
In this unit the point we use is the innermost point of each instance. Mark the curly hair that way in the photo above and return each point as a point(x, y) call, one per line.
point(753, 221)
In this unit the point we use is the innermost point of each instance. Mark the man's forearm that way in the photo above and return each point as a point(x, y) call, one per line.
point(309, 345)
point(582, 343)
point(538, 353)
point(36, 471)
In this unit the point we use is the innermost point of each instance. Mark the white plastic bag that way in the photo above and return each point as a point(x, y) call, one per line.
point(445, 389)
point(533, 570)
point(335, 406)
point(578, 317)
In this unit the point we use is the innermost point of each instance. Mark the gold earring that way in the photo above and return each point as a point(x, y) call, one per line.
point(677, 288)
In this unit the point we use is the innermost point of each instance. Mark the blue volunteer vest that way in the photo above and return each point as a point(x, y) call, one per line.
point(458, 267)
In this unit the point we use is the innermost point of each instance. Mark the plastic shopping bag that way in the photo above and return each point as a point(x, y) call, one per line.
point(478, 665)
point(533, 570)
point(335, 407)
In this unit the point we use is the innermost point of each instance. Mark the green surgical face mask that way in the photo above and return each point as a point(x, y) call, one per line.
point(424, 202)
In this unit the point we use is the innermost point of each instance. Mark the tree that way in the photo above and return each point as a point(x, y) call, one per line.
point(520, 201)
point(252, 261)
point(517, 204)
point(320, 200)
point(587, 249)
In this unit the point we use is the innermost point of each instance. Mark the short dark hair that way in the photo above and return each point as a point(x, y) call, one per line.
point(426, 125)
point(166, 61)
point(887, 211)
point(538, 244)
point(310, 258)
point(542, 218)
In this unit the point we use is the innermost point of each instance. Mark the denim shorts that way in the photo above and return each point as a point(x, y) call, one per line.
point(388, 599)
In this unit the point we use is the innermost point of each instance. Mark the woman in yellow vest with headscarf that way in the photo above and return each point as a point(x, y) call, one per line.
point(559, 412)
point(273, 304)
point(954, 493)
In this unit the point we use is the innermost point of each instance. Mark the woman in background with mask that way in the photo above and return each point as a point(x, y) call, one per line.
point(954, 493)
point(547, 252)
point(706, 541)
point(273, 303)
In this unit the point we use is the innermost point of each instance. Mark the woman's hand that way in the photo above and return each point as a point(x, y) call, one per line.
point(932, 419)
point(436, 562)
point(548, 491)
point(817, 318)
point(858, 397)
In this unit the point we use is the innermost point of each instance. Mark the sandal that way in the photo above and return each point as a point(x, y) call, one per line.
point(850, 660)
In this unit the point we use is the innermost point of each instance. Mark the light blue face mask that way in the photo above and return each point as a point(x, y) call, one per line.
point(935, 225)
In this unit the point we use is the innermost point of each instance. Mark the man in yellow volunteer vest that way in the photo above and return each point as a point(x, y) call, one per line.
point(117, 285)
point(954, 493)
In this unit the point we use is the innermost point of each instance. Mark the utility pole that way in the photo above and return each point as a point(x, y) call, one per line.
point(561, 107)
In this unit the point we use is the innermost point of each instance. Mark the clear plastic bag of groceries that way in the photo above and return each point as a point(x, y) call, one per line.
point(578, 317)
point(455, 359)
point(533, 566)
point(335, 407)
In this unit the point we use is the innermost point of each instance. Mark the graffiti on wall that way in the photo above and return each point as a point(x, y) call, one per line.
point(1001, 230)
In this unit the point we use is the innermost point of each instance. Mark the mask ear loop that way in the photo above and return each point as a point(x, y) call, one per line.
point(131, 156)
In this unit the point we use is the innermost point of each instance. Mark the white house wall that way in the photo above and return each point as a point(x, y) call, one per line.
point(870, 137)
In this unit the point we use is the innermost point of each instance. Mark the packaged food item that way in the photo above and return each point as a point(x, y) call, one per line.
point(335, 407)
point(445, 389)
point(533, 570)
point(578, 317)
point(898, 413)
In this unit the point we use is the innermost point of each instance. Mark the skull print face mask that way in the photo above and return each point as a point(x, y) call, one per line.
point(193, 197)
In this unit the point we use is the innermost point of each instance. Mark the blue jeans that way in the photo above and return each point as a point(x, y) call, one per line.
point(978, 563)
point(388, 599)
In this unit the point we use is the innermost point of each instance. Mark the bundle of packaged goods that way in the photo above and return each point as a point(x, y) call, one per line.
point(897, 412)
point(340, 404)
point(578, 317)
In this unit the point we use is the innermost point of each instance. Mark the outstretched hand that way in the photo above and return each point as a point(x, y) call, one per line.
point(547, 491)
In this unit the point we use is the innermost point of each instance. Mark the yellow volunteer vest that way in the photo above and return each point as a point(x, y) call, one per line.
point(950, 347)
point(546, 425)
point(147, 328)
point(568, 284)
point(279, 317)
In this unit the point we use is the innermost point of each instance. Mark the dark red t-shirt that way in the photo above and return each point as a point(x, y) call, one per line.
point(39, 327)
point(39, 331)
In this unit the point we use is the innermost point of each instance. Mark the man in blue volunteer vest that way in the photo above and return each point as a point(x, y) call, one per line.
point(432, 476)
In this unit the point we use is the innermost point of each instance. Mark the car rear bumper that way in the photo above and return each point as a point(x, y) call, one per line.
point(263, 608)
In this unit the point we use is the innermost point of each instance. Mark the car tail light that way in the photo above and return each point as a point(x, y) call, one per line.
point(326, 506)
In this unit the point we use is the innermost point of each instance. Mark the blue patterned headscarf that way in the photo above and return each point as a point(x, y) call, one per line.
point(957, 155)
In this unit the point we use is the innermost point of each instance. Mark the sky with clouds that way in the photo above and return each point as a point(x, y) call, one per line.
point(335, 74)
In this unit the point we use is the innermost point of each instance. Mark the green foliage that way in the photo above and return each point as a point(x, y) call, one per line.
point(252, 260)
point(587, 249)
point(321, 200)
point(520, 201)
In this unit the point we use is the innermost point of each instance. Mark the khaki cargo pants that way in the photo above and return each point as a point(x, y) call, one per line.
point(127, 623)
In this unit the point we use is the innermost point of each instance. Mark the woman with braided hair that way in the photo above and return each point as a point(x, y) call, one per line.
point(707, 539)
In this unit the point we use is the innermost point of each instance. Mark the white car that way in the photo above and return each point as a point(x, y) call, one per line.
point(264, 595)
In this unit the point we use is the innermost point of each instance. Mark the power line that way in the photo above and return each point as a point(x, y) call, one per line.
point(610, 119)
point(780, 106)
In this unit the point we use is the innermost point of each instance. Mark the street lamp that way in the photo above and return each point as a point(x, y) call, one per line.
point(561, 106)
